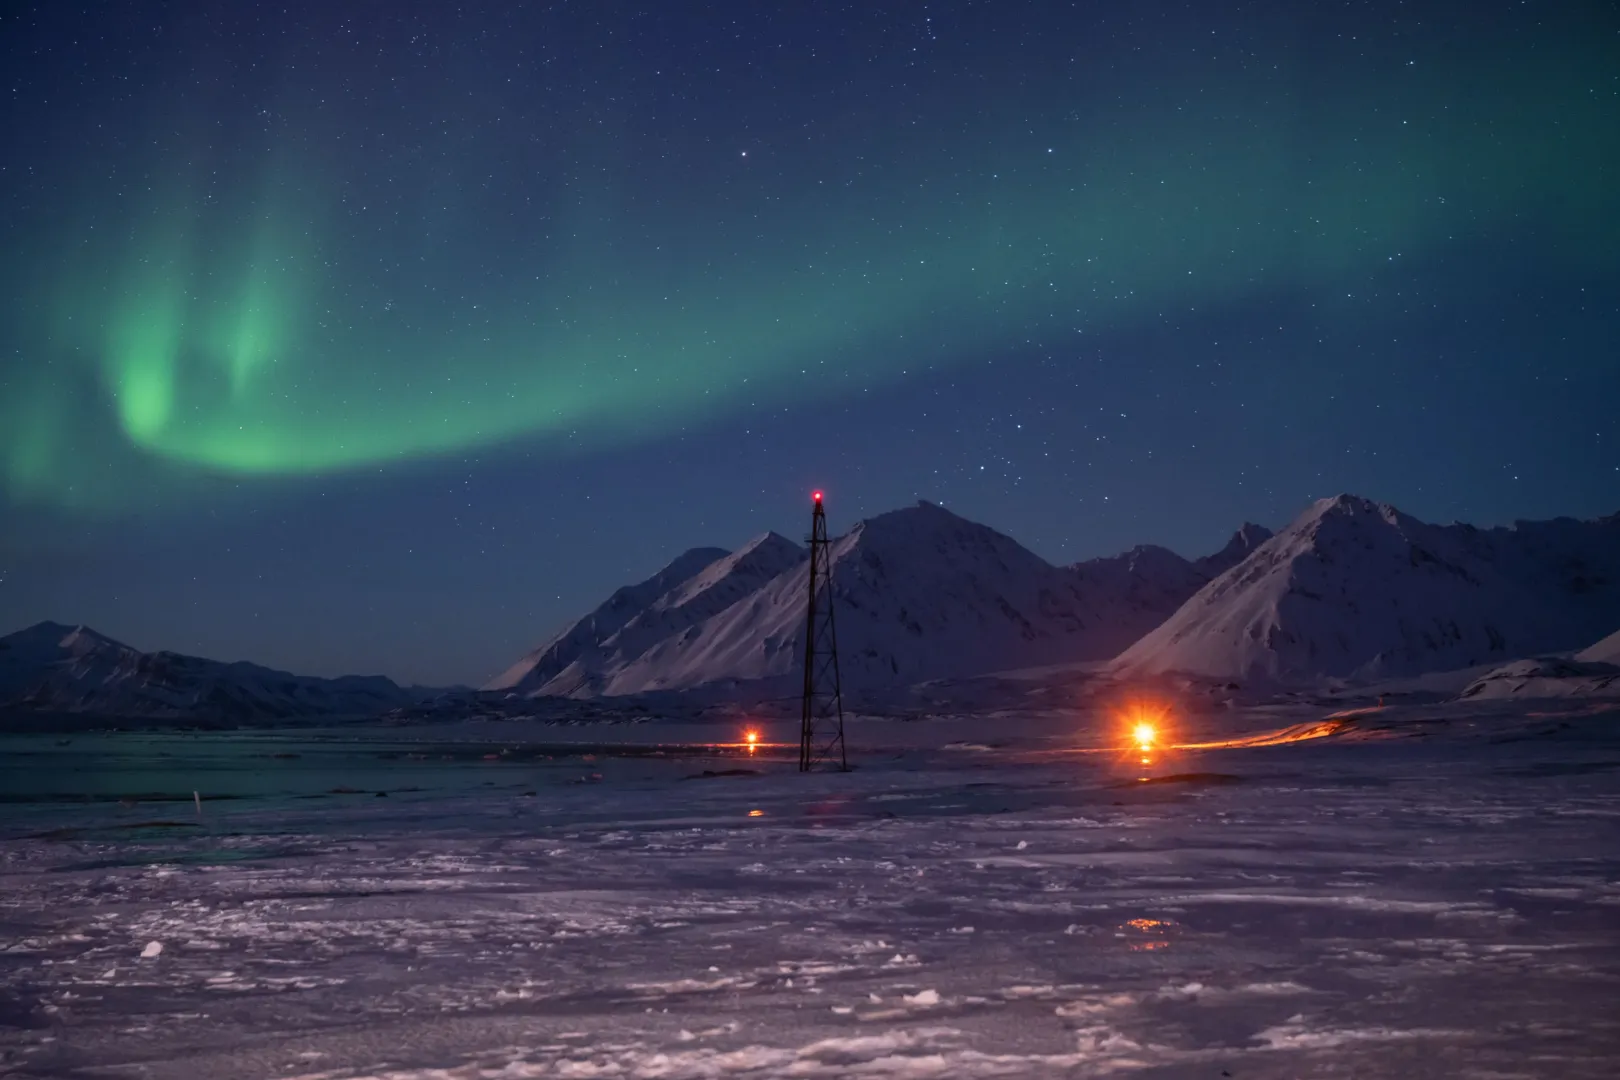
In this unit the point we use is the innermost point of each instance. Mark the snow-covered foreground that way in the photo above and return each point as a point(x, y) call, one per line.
point(1357, 905)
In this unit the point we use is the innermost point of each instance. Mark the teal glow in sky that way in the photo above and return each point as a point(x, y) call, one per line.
point(266, 252)
point(332, 263)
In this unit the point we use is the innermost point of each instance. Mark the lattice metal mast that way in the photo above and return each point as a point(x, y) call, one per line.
point(821, 733)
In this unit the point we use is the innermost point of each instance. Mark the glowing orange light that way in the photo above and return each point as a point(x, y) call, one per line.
point(751, 736)
point(756, 813)
point(1144, 726)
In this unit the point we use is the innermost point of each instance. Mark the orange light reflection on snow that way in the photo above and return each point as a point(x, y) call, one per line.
point(1150, 935)
point(1320, 729)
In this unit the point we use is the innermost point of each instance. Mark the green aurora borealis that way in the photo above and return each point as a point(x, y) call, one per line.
point(310, 268)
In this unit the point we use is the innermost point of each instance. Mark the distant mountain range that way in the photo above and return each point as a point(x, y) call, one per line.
point(1351, 591)
point(919, 593)
point(50, 667)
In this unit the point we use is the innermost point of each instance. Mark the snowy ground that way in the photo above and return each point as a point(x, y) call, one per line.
point(1428, 893)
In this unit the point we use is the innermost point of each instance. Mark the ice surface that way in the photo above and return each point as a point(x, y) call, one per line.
point(1432, 891)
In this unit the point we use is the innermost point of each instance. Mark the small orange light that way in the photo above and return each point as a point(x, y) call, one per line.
point(752, 737)
point(756, 813)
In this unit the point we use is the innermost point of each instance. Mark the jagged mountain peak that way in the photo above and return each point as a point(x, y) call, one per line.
point(1251, 535)
point(1346, 503)
point(1346, 511)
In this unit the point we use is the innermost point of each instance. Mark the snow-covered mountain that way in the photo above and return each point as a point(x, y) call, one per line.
point(72, 669)
point(580, 641)
point(920, 593)
point(1606, 651)
point(587, 658)
point(1353, 588)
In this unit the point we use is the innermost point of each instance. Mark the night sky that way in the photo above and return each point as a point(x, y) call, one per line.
point(385, 336)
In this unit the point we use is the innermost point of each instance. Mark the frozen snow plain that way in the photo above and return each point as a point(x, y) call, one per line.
point(1433, 891)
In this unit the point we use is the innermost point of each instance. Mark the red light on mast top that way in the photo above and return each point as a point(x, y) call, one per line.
point(816, 495)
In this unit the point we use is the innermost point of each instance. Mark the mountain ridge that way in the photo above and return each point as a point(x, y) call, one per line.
point(1350, 591)
point(58, 667)
point(577, 641)
point(1357, 589)
point(920, 593)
